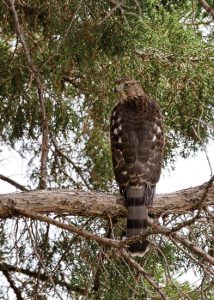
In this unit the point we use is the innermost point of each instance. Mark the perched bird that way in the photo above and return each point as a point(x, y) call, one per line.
point(137, 144)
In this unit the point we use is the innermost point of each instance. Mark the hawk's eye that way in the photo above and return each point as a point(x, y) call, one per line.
point(126, 85)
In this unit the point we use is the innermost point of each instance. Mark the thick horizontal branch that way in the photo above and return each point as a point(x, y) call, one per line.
point(76, 202)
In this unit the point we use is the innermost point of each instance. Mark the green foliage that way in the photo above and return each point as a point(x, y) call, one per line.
point(92, 47)
point(79, 48)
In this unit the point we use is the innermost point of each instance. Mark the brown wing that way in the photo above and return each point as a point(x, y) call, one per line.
point(137, 142)
point(119, 165)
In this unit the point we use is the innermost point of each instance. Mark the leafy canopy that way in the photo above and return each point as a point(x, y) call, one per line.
point(80, 49)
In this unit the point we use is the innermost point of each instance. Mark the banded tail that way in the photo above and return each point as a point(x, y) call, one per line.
point(137, 200)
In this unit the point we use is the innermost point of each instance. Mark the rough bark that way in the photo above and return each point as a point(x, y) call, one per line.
point(77, 202)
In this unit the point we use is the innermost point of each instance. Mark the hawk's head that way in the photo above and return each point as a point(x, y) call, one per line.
point(128, 88)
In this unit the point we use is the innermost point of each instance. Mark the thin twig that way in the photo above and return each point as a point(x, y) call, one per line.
point(71, 228)
point(76, 168)
point(146, 275)
point(75, 184)
point(185, 242)
point(116, 5)
point(168, 272)
point(35, 73)
point(42, 276)
point(41, 261)
point(59, 45)
point(14, 183)
point(152, 53)
point(206, 271)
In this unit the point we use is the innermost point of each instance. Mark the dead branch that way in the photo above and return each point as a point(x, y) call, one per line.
point(35, 73)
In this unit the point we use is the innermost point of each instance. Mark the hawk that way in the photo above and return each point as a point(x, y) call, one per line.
point(137, 143)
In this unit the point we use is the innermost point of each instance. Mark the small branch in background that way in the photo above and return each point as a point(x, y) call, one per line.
point(14, 183)
point(50, 278)
point(207, 7)
point(146, 275)
point(150, 53)
point(115, 6)
point(35, 73)
point(182, 240)
point(62, 171)
point(206, 269)
point(70, 80)
point(168, 274)
point(71, 228)
point(198, 135)
point(210, 125)
point(200, 205)
point(7, 275)
point(76, 168)
point(56, 50)
point(42, 276)
point(199, 23)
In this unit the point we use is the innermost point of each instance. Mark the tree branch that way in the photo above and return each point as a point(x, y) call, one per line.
point(76, 168)
point(35, 73)
point(146, 275)
point(71, 228)
point(77, 202)
point(45, 269)
point(182, 240)
point(150, 53)
point(14, 183)
point(41, 276)
point(207, 7)
point(6, 273)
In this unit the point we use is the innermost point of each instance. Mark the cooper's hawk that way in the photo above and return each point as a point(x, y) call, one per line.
point(137, 143)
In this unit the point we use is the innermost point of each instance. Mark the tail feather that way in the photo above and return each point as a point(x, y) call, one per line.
point(137, 223)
